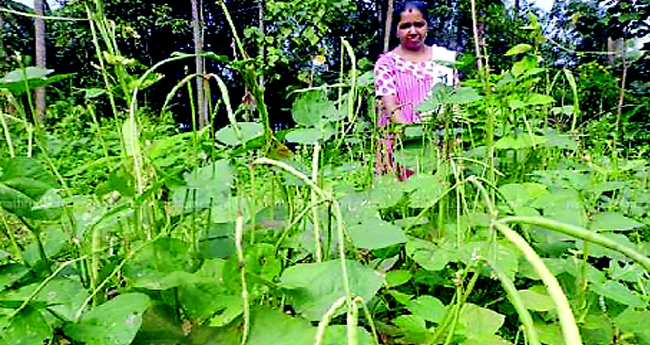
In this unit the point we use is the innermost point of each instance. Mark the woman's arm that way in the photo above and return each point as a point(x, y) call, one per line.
point(393, 108)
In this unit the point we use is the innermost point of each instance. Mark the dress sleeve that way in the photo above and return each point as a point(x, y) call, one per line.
point(385, 77)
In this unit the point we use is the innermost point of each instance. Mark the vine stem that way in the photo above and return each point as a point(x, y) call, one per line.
point(515, 298)
point(239, 232)
point(352, 338)
point(568, 323)
point(582, 234)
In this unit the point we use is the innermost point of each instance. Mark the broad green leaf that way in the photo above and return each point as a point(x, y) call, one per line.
point(425, 189)
point(532, 99)
point(228, 309)
point(311, 109)
point(537, 299)
point(54, 240)
point(554, 139)
point(27, 328)
point(526, 64)
point(522, 141)
point(400, 296)
point(397, 278)
point(160, 265)
point(22, 184)
point(520, 195)
point(314, 287)
point(306, 136)
point(10, 274)
point(270, 326)
point(635, 321)
point(115, 322)
point(36, 77)
point(519, 49)
point(62, 295)
point(430, 256)
point(370, 232)
point(410, 323)
point(248, 131)
point(549, 334)
point(479, 322)
point(387, 191)
point(464, 95)
point(208, 185)
point(161, 325)
point(619, 293)
point(612, 221)
point(501, 255)
point(428, 308)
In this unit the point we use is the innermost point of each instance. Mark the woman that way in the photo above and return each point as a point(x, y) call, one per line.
point(405, 75)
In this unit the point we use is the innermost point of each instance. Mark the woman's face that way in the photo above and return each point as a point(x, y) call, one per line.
point(412, 29)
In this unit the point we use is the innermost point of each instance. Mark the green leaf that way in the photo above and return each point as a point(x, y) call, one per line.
point(22, 184)
point(27, 328)
point(519, 49)
point(634, 321)
point(520, 195)
point(307, 136)
point(464, 95)
point(370, 232)
point(310, 109)
point(479, 322)
point(550, 334)
point(387, 191)
point(63, 296)
point(115, 322)
point(430, 256)
point(54, 241)
point(501, 255)
point(248, 131)
point(537, 299)
point(314, 287)
point(522, 141)
point(229, 307)
point(619, 293)
point(153, 266)
point(397, 278)
point(206, 186)
point(411, 324)
point(428, 308)
point(612, 221)
point(425, 190)
point(532, 99)
point(10, 274)
point(36, 77)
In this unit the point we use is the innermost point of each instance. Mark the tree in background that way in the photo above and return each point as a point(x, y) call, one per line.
point(39, 29)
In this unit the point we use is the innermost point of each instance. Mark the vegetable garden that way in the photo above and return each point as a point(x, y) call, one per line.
point(520, 225)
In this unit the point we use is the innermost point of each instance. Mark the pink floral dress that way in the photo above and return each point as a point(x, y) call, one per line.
point(410, 82)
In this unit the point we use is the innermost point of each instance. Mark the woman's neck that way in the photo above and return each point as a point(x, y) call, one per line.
point(414, 55)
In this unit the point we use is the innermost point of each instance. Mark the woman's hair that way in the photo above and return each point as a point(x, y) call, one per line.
point(400, 8)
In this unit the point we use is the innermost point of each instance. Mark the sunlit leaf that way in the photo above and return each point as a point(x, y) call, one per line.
point(115, 322)
point(26, 328)
point(537, 299)
point(314, 287)
point(428, 308)
point(612, 221)
point(248, 130)
point(519, 49)
point(17, 80)
point(479, 322)
point(311, 108)
point(619, 293)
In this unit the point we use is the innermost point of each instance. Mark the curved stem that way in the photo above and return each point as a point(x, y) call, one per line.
point(583, 234)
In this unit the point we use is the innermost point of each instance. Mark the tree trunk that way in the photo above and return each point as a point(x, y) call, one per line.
point(389, 24)
point(39, 26)
point(2, 30)
point(201, 111)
